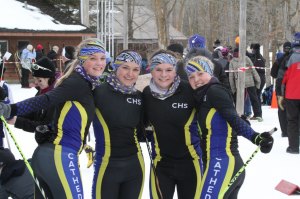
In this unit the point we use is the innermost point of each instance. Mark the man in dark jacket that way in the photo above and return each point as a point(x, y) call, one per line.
point(291, 94)
point(277, 71)
point(53, 55)
point(259, 62)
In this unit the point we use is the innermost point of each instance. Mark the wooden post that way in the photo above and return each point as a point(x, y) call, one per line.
point(125, 24)
point(242, 55)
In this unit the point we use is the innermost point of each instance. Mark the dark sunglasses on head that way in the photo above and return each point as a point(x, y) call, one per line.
point(37, 67)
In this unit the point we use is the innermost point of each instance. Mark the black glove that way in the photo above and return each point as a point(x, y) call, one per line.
point(42, 134)
point(264, 140)
point(5, 110)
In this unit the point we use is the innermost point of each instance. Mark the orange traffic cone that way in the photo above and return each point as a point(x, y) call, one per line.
point(274, 103)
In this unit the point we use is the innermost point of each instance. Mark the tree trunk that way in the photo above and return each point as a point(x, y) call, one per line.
point(161, 23)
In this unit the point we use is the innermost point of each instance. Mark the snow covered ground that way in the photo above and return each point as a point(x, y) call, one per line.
point(263, 173)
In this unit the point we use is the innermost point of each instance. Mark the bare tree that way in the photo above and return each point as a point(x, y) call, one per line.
point(163, 9)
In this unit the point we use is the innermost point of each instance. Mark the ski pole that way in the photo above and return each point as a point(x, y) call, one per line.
point(23, 156)
point(152, 162)
point(235, 177)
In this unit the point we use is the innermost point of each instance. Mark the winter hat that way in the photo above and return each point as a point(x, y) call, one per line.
point(237, 41)
point(217, 43)
point(68, 52)
point(55, 48)
point(296, 39)
point(177, 48)
point(39, 47)
point(43, 68)
point(29, 47)
point(92, 47)
point(256, 46)
point(225, 51)
point(196, 41)
point(6, 156)
point(127, 56)
point(162, 58)
point(199, 63)
point(287, 45)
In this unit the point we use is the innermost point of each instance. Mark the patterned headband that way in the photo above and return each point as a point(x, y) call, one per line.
point(90, 49)
point(199, 64)
point(163, 58)
point(127, 56)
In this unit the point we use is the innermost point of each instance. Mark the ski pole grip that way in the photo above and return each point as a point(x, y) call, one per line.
point(273, 130)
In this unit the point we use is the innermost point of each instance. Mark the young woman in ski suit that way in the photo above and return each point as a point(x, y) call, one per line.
point(119, 165)
point(55, 162)
point(220, 125)
point(170, 110)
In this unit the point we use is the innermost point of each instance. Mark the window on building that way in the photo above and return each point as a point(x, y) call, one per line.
point(3, 47)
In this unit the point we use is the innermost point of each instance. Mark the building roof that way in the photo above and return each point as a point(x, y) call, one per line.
point(36, 17)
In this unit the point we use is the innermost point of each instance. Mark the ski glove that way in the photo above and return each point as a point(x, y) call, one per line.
point(5, 110)
point(264, 140)
point(42, 134)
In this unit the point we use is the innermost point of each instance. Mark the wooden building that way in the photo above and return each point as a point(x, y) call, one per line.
point(45, 25)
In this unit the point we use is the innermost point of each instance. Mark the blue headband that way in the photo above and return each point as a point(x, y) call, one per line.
point(90, 49)
point(163, 58)
point(199, 63)
point(127, 56)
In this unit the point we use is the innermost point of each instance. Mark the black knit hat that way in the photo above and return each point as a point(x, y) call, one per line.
point(256, 46)
point(287, 45)
point(177, 48)
point(69, 52)
point(6, 156)
point(43, 68)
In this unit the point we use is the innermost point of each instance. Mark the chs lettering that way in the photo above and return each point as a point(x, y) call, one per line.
point(134, 101)
point(179, 105)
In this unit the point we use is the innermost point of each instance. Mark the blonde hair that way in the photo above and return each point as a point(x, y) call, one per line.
point(75, 62)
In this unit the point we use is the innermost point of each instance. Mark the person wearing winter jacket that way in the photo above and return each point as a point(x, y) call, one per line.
point(53, 55)
point(277, 71)
point(119, 165)
point(55, 162)
point(197, 47)
point(43, 72)
point(260, 63)
point(28, 57)
point(220, 125)
point(15, 180)
point(252, 82)
point(290, 91)
point(170, 111)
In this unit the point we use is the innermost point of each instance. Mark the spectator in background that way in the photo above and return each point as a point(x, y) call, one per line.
point(217, 49)
point(144, 69)
point(196, 47)
point(178, 50)
point(27, 58)
point(53, 55)
point(277, 71)
point(252, 82)
point(291, 93)
point(39, 52)
point(68, 55)
point(259, 62)
point(15, 178)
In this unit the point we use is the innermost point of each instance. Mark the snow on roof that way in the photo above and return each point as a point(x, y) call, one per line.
point(14, 15)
